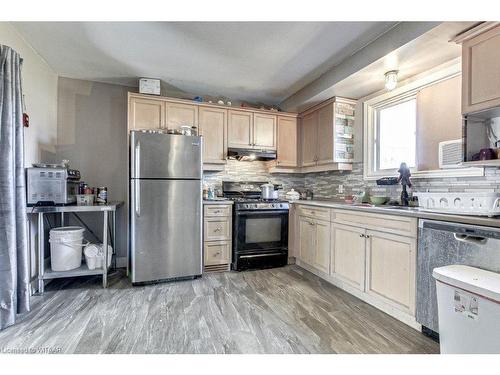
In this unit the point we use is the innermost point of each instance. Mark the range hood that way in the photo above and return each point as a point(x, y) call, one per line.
point(249, 154)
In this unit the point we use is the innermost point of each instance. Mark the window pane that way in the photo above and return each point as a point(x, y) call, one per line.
point(396, 132)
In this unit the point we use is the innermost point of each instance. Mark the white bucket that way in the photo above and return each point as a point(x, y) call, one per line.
point(66, 248)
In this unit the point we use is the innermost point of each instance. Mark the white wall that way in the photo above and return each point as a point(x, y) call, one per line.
point(40, 91)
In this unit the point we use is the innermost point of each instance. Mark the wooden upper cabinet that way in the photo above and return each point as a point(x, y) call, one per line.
point(145, 113)
point(264, 131)
point(287, 146)
point(309, 130)
point(481, 71)
point(240, 129)
point(213, 128)
point(324, 154)
point(181, 114)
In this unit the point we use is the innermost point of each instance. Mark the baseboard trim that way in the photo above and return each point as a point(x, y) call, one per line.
point(388, 309)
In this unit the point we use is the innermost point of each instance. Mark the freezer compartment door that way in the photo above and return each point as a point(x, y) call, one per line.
point(165, 229)
point(155, 155)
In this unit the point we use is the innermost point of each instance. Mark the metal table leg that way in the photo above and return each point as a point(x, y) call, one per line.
point(114, 236)
point(41, 253)
point(105, 250)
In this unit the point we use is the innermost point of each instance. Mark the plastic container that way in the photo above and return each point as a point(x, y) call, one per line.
point(485, 204)
point(66, 248)
point(94, 256)
point(468, 310)
point(85, 199)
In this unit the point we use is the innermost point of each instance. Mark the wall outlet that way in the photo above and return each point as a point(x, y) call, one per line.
point(340, 189)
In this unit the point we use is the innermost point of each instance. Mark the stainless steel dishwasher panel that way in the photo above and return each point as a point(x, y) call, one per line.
point(443, 243)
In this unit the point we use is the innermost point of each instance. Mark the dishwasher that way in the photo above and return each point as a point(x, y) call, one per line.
point(442, 244)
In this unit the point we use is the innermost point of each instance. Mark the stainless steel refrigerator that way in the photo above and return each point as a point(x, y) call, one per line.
point(165, 206)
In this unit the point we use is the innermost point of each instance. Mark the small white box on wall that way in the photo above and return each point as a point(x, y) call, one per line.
point(149, 86)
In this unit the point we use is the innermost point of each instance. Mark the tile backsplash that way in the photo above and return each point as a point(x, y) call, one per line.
point(325, 185)
point(252, 171)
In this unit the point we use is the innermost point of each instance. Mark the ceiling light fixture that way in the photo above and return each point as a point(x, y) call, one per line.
point(391, 79)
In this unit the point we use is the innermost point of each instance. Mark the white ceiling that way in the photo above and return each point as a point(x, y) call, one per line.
point(254, 61)
point(421, 54)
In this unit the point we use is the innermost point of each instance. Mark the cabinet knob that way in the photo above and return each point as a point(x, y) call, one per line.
point(367, 236)
point(361, 235)
point(217, 230)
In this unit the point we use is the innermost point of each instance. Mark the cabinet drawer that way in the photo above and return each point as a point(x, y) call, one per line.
point(217, 252)
point(320, 213)
point(218, 210)
point(217, 228)
point(406, 226)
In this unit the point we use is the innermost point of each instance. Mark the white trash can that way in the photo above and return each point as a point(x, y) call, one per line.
point(468, 309)
point(66, 248)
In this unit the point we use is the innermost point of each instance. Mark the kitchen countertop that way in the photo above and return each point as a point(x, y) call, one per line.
point(217, 201)
point(405, 211)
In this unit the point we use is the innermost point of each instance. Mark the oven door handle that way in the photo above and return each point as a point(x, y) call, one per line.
point(257, 213)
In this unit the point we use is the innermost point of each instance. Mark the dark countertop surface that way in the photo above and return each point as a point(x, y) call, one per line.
point(405, 211)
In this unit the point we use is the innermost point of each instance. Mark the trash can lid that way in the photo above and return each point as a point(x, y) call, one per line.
point(475, 280)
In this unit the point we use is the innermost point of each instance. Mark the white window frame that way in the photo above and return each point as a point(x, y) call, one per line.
point(405, 91)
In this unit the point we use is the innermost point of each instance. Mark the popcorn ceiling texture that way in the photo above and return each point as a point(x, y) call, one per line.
point(325, 184)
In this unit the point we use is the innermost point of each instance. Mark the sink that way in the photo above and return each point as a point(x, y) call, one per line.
point(398, 207)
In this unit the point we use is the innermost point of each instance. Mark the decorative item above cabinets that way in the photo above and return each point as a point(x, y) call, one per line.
point(221, 126)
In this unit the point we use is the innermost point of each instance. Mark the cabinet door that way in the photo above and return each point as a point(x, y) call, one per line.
point(390, 269)
point(322, 249)
point(213, 128)
point(181, 114)
point(292, 232)
point(287, 153)
point(307, 234)
point(309, 129)
point(146, 113)
point(239, 129)
point(481, 71)
point(264, 131)
point(348, 257)
point(325, 135)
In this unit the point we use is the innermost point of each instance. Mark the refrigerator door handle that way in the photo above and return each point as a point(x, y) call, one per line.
point(137, 160)
point(137, 198)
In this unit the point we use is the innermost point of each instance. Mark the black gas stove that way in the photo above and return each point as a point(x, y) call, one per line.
point(260, 227)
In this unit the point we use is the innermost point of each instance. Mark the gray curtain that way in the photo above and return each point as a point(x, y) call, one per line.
point(14, 263)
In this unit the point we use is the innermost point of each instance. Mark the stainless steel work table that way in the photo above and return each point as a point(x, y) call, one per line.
point(83, 270)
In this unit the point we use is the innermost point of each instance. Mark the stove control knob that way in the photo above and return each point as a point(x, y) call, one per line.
point(246, 206)
point(255, 205)
point(273, 205)
point(280, 205)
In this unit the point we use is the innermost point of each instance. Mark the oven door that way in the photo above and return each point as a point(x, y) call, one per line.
point(261, 231)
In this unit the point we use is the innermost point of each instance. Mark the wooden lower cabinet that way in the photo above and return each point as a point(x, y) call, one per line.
point(217, 253)
point(217, 237)
point(348, 255)
point(390, 268)
point(322, 246)
point(314, 243)
point(306, 240)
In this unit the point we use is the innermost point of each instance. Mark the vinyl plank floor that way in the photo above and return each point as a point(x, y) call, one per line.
point(281, 310)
